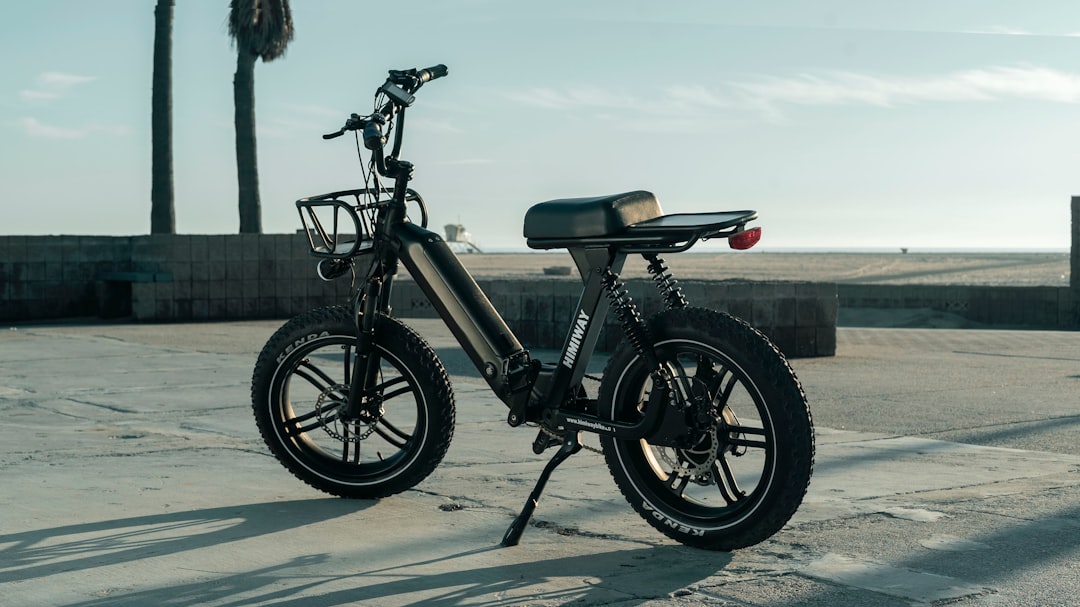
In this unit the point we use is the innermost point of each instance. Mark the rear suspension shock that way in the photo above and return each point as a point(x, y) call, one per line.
point(665, 282)
point(633, 325)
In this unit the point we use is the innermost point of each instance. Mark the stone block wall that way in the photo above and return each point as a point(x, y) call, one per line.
point(799, 317)
point(52, 276)
point(1074, 261)
point(1012, 307)
point(171, 278)
point(160, 277)
point(236, 276)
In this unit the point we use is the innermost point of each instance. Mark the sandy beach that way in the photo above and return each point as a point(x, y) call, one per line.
point(999, 269)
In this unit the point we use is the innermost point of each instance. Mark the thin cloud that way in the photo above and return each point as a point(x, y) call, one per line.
point(52, 86)
point(60, 80)
point(769, 96)
point(588, 97)
point(34, 96)
point(35, 128)
point(986, 84)
point(1000, 30)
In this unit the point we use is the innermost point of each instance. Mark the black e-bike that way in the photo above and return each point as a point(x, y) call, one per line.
point(701, 420)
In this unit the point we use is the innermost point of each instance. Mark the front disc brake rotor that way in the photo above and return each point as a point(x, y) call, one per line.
point(328, 407)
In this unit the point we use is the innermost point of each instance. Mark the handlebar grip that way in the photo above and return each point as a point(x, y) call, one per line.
point(431, 73)
point(334, 135)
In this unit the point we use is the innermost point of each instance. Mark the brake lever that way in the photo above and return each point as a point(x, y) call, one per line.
point(354, 123)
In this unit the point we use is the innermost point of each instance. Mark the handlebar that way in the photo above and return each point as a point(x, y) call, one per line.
point(399, 90)
point(431, 73)
point(413, 79)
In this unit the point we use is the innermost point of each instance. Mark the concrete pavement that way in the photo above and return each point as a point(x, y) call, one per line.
point(948, 471)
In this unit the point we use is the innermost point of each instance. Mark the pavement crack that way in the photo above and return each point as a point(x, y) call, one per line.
point(571, 531)
point(52, 411)
point(1028, 356)
point(453, 503)
point(107, 407)
point(1008, 424)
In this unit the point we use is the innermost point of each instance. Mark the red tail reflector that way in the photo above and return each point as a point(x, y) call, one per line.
point(745, 239)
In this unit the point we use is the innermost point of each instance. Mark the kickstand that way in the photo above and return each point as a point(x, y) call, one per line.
point(569, 447)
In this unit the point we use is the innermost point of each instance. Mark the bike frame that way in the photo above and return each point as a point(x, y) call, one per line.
point(490, 344)
point(598, 233)
point(533, 391)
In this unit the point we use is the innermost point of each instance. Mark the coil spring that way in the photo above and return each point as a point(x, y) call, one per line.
point(665, 283)
point(632, 324)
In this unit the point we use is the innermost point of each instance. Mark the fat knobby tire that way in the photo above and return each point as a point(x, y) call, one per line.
point(765, 509)
point(397, 344)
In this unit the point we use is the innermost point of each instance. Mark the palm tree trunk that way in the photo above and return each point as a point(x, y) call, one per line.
point(247, 170)
point(162, 214)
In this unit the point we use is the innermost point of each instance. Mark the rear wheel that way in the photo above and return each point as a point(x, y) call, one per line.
point(302, 382)
point(740, 467)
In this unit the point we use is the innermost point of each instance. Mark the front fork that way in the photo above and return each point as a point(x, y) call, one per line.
point(372, 299)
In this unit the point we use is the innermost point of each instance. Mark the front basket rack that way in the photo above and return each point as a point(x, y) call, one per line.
point(340, 225)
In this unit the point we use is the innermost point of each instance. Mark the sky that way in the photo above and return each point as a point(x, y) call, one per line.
point(847, 124)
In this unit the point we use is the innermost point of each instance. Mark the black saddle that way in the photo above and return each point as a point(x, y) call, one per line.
point(631, 222)
point(598, 217)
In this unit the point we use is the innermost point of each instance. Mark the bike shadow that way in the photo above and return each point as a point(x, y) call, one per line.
point(42, 552)
point(627, 577)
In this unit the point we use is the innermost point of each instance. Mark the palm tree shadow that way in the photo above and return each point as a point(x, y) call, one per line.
point(42, 552)
point(604, 577)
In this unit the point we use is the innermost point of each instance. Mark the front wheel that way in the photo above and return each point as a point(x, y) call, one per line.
point(300, 387)
point(739, 469)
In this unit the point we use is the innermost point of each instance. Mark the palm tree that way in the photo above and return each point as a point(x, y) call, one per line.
point(162, 215)
point(259, 29)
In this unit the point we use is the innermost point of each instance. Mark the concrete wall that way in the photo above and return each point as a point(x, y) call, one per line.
point(52, 277)
point(1074, 261)
point(160, 277)
point(167, 278)
point(229, 277)
point(1013, 307)
point(799, 317)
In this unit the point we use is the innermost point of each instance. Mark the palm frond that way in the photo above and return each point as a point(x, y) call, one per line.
point(261, 27)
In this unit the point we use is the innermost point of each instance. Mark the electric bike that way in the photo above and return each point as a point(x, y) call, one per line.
point(702, 422)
